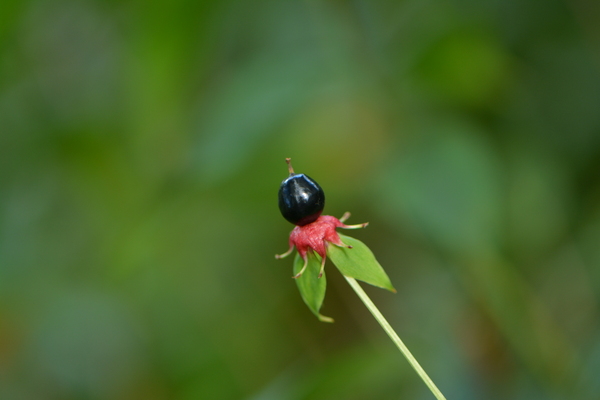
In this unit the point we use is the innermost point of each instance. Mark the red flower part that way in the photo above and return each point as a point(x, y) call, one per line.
point(316, 236)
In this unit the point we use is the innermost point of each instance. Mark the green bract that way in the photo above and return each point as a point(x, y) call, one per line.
point(357, 262)
point(312, 288)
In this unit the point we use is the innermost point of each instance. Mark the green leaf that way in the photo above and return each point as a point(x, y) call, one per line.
point(312, 288)
point(359, 263)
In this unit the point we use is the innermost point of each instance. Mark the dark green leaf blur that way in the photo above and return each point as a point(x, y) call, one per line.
point(142, 144)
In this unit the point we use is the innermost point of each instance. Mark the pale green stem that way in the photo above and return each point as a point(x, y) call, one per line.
point(395, 338)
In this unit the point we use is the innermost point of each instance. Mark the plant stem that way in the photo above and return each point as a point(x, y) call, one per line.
point(395, 338)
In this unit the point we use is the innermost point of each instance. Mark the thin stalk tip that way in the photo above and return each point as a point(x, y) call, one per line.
point(289, 163)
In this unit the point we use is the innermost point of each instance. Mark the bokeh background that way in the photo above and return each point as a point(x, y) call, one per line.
point(142, 145)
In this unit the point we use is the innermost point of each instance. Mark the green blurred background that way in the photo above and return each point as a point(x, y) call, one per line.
point(142, 145)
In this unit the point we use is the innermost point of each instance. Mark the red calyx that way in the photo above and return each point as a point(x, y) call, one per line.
point(316, 236)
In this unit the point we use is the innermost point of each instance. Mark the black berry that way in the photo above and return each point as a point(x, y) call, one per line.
point(301, 199)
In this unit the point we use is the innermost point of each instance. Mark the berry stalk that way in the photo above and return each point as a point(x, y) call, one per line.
point(395, 338)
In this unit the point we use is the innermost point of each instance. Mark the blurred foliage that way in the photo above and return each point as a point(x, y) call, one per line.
point(141, 149)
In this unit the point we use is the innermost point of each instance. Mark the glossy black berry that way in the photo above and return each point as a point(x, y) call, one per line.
point(301, 199)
